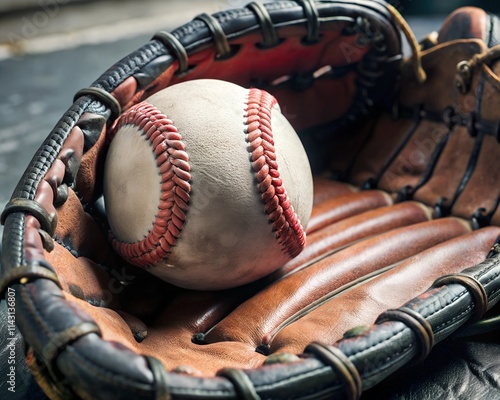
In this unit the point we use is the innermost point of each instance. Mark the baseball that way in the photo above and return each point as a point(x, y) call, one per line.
point(207, 185)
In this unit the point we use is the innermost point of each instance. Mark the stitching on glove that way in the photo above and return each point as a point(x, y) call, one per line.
point(60, 340)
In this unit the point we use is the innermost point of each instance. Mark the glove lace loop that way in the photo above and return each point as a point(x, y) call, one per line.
point(60, 340)
point(47, 222)
point(312, 15)
point(160, 378)
point(485, 58)
point(104, 97)
point(269, 33)
point(26, 273)
point(412, 40)
point(417, 323)
point(174, 45)
point(345, 370)
point(463, 76)
point(220, 39)
point(241, 382)
point(473, 286)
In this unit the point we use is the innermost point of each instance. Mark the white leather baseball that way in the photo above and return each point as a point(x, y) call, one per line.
point(207, 185)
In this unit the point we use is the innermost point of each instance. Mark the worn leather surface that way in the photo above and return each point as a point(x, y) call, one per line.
point(462, 367)
point(410, 250)
point(436, 128)
point(97, 327)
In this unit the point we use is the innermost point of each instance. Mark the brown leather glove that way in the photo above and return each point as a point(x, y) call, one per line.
point(387, 272)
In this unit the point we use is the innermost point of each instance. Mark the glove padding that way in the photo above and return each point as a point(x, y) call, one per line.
point(99, 328)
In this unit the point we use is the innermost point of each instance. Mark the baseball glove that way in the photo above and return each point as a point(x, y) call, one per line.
point(402, 246)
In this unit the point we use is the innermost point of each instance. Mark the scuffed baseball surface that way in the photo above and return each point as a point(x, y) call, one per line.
point(226, 238)
point(133, 208)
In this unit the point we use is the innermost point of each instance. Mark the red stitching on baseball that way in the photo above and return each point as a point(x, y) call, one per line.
point(172, 161)
point(286, 224)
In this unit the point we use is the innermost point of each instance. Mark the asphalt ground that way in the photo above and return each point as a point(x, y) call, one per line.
point(39, 76)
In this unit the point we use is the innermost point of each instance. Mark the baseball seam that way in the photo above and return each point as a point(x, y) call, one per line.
point(172, 161)
point(259, 135)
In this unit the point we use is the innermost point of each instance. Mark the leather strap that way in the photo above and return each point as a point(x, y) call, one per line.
point(475, 288)
point(175, 46)
point(342, 367)
point(241, 382)
point(160, 378)
point(47, 222)
point(60, 340)
point(104, 97)
point(220, 39)
point(312, 15)
point(26, 273)
point(417, 323)
point(269, 33)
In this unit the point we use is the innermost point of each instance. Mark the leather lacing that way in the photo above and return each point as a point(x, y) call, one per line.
point(312, 15)
point(367, 76)
point(26, 273)
point(473, 286)
point(242, 384)
point(476, 127)
point(342, 367)
point(477, 325)
point(60, 340)
point(466, 68)
point(418, 325)
point(175, 46)
point(47, 222)
point(481, 218)
point(220, 38)
point(104, 97)
point(416, 58)
point(269, 34)
point(160, 378)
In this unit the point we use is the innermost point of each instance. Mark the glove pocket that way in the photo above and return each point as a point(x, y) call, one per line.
point(263, 320)
point(361, 305)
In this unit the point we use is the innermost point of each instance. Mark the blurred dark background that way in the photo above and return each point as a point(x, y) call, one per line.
point(426, 7)
point(409, 7)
